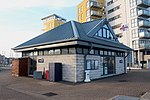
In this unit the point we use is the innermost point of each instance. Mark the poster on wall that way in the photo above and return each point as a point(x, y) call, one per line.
point(41, 60)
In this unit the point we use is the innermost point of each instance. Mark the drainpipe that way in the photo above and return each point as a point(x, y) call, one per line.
point(125, 62)
point(91, 47)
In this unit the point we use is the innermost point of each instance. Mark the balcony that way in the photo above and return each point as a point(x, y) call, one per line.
point(143, 3)
point(144, 13)
point(95, 5)
point(144, 46)
point(96, 14)
point(144, 34)
point(144, 24)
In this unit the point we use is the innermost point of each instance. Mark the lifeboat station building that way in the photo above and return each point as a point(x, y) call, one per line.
point(79, 47)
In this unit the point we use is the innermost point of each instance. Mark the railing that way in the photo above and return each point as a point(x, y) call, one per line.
point(144, 34)
point(144, 2)
point(95, 13)
point(144, 12)
point(95, 4)
point(144, 46)
point(144, 23)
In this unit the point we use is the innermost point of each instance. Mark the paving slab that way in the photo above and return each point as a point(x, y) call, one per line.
point(133, 84)
point(121, 97)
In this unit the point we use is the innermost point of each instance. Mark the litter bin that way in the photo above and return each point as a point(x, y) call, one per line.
point(47, 75)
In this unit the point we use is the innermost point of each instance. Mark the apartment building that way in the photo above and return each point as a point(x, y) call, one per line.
point(89, 10)
point(52, 21)
point(130, 21)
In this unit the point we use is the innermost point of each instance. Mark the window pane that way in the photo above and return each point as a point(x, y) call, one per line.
point(88, 65)
point(51, 51)
point(104, 33)
point(85, 51)
point(45, 52)
point(65, 51)
point(79, 50)
point(72, 50)
point(57, 51)
point(101, 52)
point(92, 52)
point(96, 64)
point(108, 34)
point(100, 33)
point(96, 52)
point(93, 64)
point(105, 52)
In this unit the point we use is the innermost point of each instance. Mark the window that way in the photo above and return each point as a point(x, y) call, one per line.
point(135, 33)
point(111, 2)
point(135, 44)
point(116, 26)
point(85, 51)
point(57, 51)
point(113, 53)
point(105, 33)
point(92, 64)
point(41, 53)
point(134, 22)
point(51, 52)
point(87, 13)
point(114, 9)
point(101, 52)
point(133, 12)
point(88, 19)
point(64, 51)
point(114, 18)
point(45, 52)
point(92, 52)
point(105, 52)
point(109, 52)
point(72, 50)
point(35, 53)
point(79, 50)
point(96, 52)
point(88, 4)
point(132, 3)
point(100, 33)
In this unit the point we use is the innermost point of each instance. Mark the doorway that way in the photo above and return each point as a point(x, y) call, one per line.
point(109, 65)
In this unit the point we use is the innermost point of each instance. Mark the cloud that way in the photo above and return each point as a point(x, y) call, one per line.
point(21, 4)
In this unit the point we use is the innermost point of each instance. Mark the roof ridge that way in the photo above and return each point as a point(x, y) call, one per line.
point(74, 28)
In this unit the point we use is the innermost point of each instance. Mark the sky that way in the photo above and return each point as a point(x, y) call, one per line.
point(20, 20)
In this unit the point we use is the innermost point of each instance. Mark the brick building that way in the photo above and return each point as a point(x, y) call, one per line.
point(79, 47)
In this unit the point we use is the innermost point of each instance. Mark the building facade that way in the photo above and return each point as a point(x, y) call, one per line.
point(130, 21)
point(90, 46)
point(89, 10)
point(52, 21)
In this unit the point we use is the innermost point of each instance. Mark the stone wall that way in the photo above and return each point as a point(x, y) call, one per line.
point(68, 65)
point(119, 65)
point(80, 68)
point(73, 66)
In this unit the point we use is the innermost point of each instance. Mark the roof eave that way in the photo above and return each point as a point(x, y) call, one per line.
point(47, 43)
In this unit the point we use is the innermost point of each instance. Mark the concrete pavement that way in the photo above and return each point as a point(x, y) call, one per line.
point(135, 84)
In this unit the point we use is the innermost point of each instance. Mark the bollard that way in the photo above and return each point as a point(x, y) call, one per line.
point(87, 76)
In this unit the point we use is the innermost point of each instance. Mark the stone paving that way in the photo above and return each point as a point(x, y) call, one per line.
point(135, 83)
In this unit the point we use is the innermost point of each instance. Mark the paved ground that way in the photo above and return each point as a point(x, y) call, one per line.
point(135, 83)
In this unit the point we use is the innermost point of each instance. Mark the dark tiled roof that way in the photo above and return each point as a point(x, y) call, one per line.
point(73, 30)
point(60, 33)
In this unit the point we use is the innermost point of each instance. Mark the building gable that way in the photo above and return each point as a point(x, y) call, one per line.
point(103, 30)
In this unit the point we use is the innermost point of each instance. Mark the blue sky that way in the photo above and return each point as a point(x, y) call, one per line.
point(20, 20)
